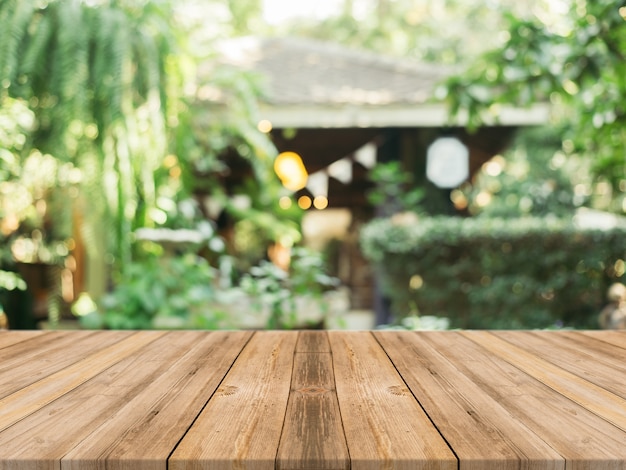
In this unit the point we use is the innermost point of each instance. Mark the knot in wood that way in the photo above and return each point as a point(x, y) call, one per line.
point(312, 390)
point(398, 390)
point(226, 390)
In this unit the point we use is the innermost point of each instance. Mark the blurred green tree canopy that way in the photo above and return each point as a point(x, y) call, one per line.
point(576, 64)
point(110, 86)
point(533, 178)
point(445, 31)
point(102, 132)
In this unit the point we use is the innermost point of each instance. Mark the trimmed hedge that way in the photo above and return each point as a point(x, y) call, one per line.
point(496, 273)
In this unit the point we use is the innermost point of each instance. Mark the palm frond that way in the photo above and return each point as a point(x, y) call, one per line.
point(35, 57)
point(15, 19)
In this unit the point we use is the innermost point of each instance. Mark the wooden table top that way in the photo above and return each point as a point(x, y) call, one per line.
point(312, 400)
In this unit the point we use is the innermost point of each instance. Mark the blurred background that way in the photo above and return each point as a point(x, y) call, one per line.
point(332, 164)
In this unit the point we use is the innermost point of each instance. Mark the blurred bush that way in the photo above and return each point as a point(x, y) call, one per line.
point(496, 273)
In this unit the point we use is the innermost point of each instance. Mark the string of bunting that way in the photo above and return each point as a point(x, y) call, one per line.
point(341, 170)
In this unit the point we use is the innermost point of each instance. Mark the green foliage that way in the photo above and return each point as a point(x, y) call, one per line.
point(218, 137)
point(184, 291)
point(533, 272)
point(444, 32)
point(245, 15)
point(394, 189)
point(576, 64)
point(278, 290)
point(162, 292)
point(102, 84)
point(97, 79)
point(11, 281)
point(25, 180)
point(256, 229)
point(534, 177)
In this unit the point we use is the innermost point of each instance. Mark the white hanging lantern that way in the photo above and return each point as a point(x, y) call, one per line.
point(447, 162)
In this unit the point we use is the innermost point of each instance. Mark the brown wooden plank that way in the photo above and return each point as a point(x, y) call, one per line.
point(483, 434)
point(616, 338)
point(241, 425)
point(313, 341)
point(312, 436)
point(583, 438)
point(31, 360)
point(385, 426)
point(8, 338)
point(35, 396)
point(23, 349)
point(142, 434)
point(41, 439)
point(593, 360)
point(587, 394)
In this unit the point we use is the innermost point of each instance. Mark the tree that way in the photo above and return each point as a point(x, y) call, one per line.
point(446, 31)
point(577, 65)
point(98, 77)
point(533, 177)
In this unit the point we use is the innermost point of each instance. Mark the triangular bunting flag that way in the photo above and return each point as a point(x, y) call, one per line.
point(317, 183)
point(341, 170)
point(366, 155)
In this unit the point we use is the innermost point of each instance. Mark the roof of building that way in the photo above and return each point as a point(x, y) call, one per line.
point(314, 84)
point(303, 71)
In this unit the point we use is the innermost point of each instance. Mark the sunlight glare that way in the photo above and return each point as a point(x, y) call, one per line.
point(280, 11)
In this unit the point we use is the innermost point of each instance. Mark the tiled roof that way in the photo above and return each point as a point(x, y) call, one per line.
point(301, 71)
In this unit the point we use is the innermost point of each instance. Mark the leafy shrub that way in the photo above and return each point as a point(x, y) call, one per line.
point(531, 272)
point(278, 291)
point(162, 292)
point(185, 291)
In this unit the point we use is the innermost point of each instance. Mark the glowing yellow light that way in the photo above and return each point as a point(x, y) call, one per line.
point(459, 199)
point(291, 171)
point(284, 202)
point(91, 131)
point(170, 160)
point(320, 202)
point(264, 126)
point(175, 172)
point(492, 168)
point(416, 282)
point(304, 202)
point(620, 267)
point(483, 198)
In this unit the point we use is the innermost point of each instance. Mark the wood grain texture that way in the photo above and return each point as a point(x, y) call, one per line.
point(49, 353)
point(615, 338)
point(312, 341)
point(313, 400)
point(312, 436)
point(240, 427)
point(143, 433)
point(43, 438)
point(584, 439)
point(590, 396)
point(483, 434)
point(16, 336)
point(17, 406)
point(592, 360)
point(385, 427)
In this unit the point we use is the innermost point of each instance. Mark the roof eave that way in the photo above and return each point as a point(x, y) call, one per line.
point(419, 115)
